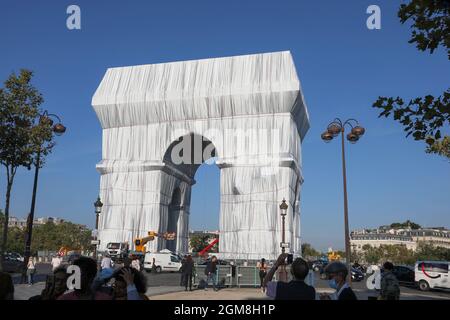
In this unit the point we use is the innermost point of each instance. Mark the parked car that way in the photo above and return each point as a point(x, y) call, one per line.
point(318, 265)
point(360, 267)
point(12, 265)
point(405, 275)
point(357, 275)
point(15, 255)
point(219, 262)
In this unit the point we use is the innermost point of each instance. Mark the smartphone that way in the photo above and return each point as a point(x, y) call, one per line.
point(290, 258)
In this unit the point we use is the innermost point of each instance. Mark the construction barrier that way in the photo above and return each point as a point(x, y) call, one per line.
point(243, 276)
point(248, 276)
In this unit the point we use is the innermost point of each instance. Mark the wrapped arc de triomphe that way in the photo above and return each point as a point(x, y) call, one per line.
point(161, 121)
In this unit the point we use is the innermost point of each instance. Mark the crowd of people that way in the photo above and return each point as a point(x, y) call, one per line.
point(127, 282)
point(336, 274)
point(104, 282)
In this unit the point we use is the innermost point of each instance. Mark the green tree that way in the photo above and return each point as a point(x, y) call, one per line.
point(20, 135)
point(430, 252)
point(52, 237)
point(15, 237)
point(441, 148)
point(18, 107)
point(424, 117)
point(372, 254)
point(406, 224)
point(309, 251)
point(199, 241)
point(356, 256)
point(431, 24)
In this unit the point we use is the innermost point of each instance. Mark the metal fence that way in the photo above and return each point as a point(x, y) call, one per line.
point(249, 276)
point(224, 275)
point(241, 276)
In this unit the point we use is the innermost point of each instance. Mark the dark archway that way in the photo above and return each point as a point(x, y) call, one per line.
point(183, 158)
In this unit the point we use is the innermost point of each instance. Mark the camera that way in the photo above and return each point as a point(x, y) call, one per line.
point(289, 258)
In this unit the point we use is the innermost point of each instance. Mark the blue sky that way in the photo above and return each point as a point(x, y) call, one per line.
point(343, 68)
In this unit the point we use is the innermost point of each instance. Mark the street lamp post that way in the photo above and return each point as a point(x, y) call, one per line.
point(58, 129)
point(282, 273)
point(98, 209)
point(333, 130)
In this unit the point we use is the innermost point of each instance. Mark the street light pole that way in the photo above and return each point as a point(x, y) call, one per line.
point(333, 130)
point(347, 233)
point(31, 218)
point(282, 273)
point(283, 235)
point(98, 209)
point(58, 129)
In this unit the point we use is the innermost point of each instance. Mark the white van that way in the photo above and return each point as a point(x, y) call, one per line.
point(432, 274)
point(164, 261)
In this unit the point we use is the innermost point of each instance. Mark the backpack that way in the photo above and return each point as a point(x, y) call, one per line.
point(201, 284)
point(392, 288)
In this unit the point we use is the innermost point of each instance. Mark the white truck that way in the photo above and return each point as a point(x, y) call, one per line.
point(164, 260)
point(432, 275)
point(117, 250)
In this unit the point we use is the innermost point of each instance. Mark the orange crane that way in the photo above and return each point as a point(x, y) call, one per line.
point(140, 243)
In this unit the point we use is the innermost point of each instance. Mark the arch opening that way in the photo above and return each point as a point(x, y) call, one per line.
point(183, 158)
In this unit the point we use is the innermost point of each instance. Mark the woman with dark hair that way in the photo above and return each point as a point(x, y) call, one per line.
point(88, 269)
point(129, 284)
point(55, 285)
point(262, 271)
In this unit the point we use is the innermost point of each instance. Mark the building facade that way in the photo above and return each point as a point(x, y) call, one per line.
point(14, 222)
point(22, 223)
point(411, 238)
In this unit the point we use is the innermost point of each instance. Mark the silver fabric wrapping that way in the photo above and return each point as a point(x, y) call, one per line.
point(253, 111)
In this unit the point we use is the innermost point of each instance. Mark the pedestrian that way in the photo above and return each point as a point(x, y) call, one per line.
point(136, 263)
point(129, 284)
point(337, 273)
point(56, 262)
point(31, 270)
point(390, 288)
point(55, 286)
point(183, 275)
point(106, 262)
point(211, 273)
point(296, 289)
point(188, 270)
point(262, 271)
point(6, 286)
point(153, 266)
point(86, 291)
point(102, 281)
